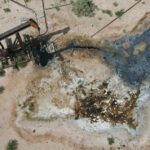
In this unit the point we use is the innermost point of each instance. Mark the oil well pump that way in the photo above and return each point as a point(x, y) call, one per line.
point(22, 49)
point(14, 52)
point(17, 51)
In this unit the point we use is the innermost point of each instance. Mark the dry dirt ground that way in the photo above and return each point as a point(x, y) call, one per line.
point(36, 132)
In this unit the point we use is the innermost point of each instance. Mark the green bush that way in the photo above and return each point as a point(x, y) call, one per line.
point(111, 141)
point(22, 65)
point(1, 89)
point(115, 4)
point(84, 8)
point(21, 59)
point(26, 1)
point(31, 107)
point(108, 12)
point(2, 72)
point(7, 10)
point(99, 18)
point(57, 8)
point(6, 1)
point(62, 0)
point(124, 31)
point(12, 145)
point(119, 13)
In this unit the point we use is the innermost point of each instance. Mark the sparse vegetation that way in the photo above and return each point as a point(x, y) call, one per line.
point(26, 1)
point(19, 105)
point(31, 107)
point(119, 13)
point(12, 145)
point(62, 0)
point(115, 4)
point(22, 65)
point(124, 31)
point(7, 10)
point(2, 72)
point(111, 141)
point(99, 18)
point(1, 89)
point(108, 12)
point(21, 59)
point(6, 1)
point(57, 8)
point(84, 8)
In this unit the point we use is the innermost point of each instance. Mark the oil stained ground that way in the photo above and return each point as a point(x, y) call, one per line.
point(131, 57)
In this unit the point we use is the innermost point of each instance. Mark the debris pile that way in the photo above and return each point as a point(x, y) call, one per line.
point(104, 105)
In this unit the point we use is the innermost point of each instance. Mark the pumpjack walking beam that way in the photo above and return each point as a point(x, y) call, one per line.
point(19, 28)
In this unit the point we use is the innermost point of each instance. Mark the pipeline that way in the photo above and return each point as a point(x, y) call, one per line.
point(30, 9)
point(115, 19)
point(45, 17)
point(33, 11)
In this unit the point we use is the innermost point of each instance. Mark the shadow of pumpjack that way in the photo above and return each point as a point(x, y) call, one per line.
point(47, 37)
point(42, 43)
point(44, 56)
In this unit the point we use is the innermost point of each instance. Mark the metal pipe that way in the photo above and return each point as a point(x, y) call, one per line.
point(30, 9)
point(14, 30)
point(23, 26)
point(115, 19)
point(45, 17)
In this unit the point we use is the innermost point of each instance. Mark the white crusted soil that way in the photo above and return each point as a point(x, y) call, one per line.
point(54, 97)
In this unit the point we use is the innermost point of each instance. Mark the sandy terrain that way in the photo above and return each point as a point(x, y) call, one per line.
point(83, 26)
point(60, 134)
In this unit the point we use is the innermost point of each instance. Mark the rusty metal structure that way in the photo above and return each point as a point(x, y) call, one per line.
point(17, 51)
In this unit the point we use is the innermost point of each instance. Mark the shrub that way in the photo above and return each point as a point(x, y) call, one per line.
point(124, 31)
point(1, 89)
point(12, 145)
point(99, 18)
point(7, 10)
point(26, 1)
point(119, 13)
point(84, 8)
point(22, 65)
point(111, 141)
point(62, 0)
point(115, 4)
point(31, 107)
point(57, 8)
point(21, 59)
point(6, 1)
point(108, 12)
point(2, 72)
